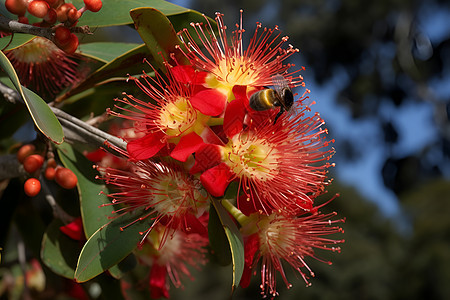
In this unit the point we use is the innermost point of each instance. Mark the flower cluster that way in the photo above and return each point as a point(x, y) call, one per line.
point(228, 117)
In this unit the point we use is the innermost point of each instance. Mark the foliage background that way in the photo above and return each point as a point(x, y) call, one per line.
point(379, 72)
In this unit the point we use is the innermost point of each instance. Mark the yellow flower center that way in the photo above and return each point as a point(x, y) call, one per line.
point(252, 158)
point(275, 236)
point(231, 72)
point(174, 194)
point(180, 118)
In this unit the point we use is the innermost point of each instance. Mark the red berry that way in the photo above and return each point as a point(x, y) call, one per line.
point(51, 163)
point(32, 187)
point(66, 178)
point(33, 163)
point(93, 5)
point(62, 11)
point(62, 36)
point(73, 15)
point(50, 17)
point(72, 45)
point(50, 173)
point(52, 3)
point(23, 20)
point(38, 8)
point(25, 151)
point(17, 7)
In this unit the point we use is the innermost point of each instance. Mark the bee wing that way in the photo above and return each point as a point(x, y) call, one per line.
point(280, 83)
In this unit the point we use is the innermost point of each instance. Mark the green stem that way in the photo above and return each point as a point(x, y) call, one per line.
point(236, 213)
point(215, 121)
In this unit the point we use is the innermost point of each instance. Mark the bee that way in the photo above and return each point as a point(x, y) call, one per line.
point(280, 96)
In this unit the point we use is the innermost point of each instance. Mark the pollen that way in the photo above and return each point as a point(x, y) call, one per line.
point(175, 194)
point(176, 117)
point(252, 157)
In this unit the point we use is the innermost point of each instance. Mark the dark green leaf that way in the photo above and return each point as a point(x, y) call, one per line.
point(13, 41)
point(42, 115)
point(111, 244)
point(218, 239)
point(89, 189)
point(131, 62)
point(235, 240)
point(59, 252)
point(158, 34)
point(97, 50)
point(116, 12)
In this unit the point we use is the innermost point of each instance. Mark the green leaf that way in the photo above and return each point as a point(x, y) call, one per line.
point(116, 12)
point(218, 239)
point(235, 240)
point(97, 50)
point(59, 252)
point(89, 189)
point(130, 62)
point(42, 115)
point(111, 244)
point(13, 41)
point(158, 34)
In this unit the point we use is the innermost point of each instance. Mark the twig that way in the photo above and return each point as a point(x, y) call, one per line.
point(8, 25)
point(58, 212)
point(75, 130)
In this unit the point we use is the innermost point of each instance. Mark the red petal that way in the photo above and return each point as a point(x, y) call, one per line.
point(206, 157)
point(184, 74)
point(187, 145)
point(147, 146)
point(187, 74)
point(249, 205)
point(74, 230)
point(96, 156)
point(209, 102)
point(216, 180)
point(233, 121)
point(193, 225)
point(157, 282)
point(240, 91)
point(251, 244)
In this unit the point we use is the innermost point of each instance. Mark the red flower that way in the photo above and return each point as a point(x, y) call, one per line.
point(172, 196)
point(280, 166)
point(43, 67)
point(276, 238)
point(171, 261)
point(229, 64)
point(169, 117)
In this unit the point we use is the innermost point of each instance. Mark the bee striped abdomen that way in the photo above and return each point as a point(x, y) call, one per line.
point(263, 100)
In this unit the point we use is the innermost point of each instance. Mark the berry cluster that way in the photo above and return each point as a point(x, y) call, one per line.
point(51, 12)
point(33, 163)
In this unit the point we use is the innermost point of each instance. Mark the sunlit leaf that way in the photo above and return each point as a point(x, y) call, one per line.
point(42, 115)
point(116, 12)
point(235, 241)
point(89, 189)
point(111, 244)
point(158, 34)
